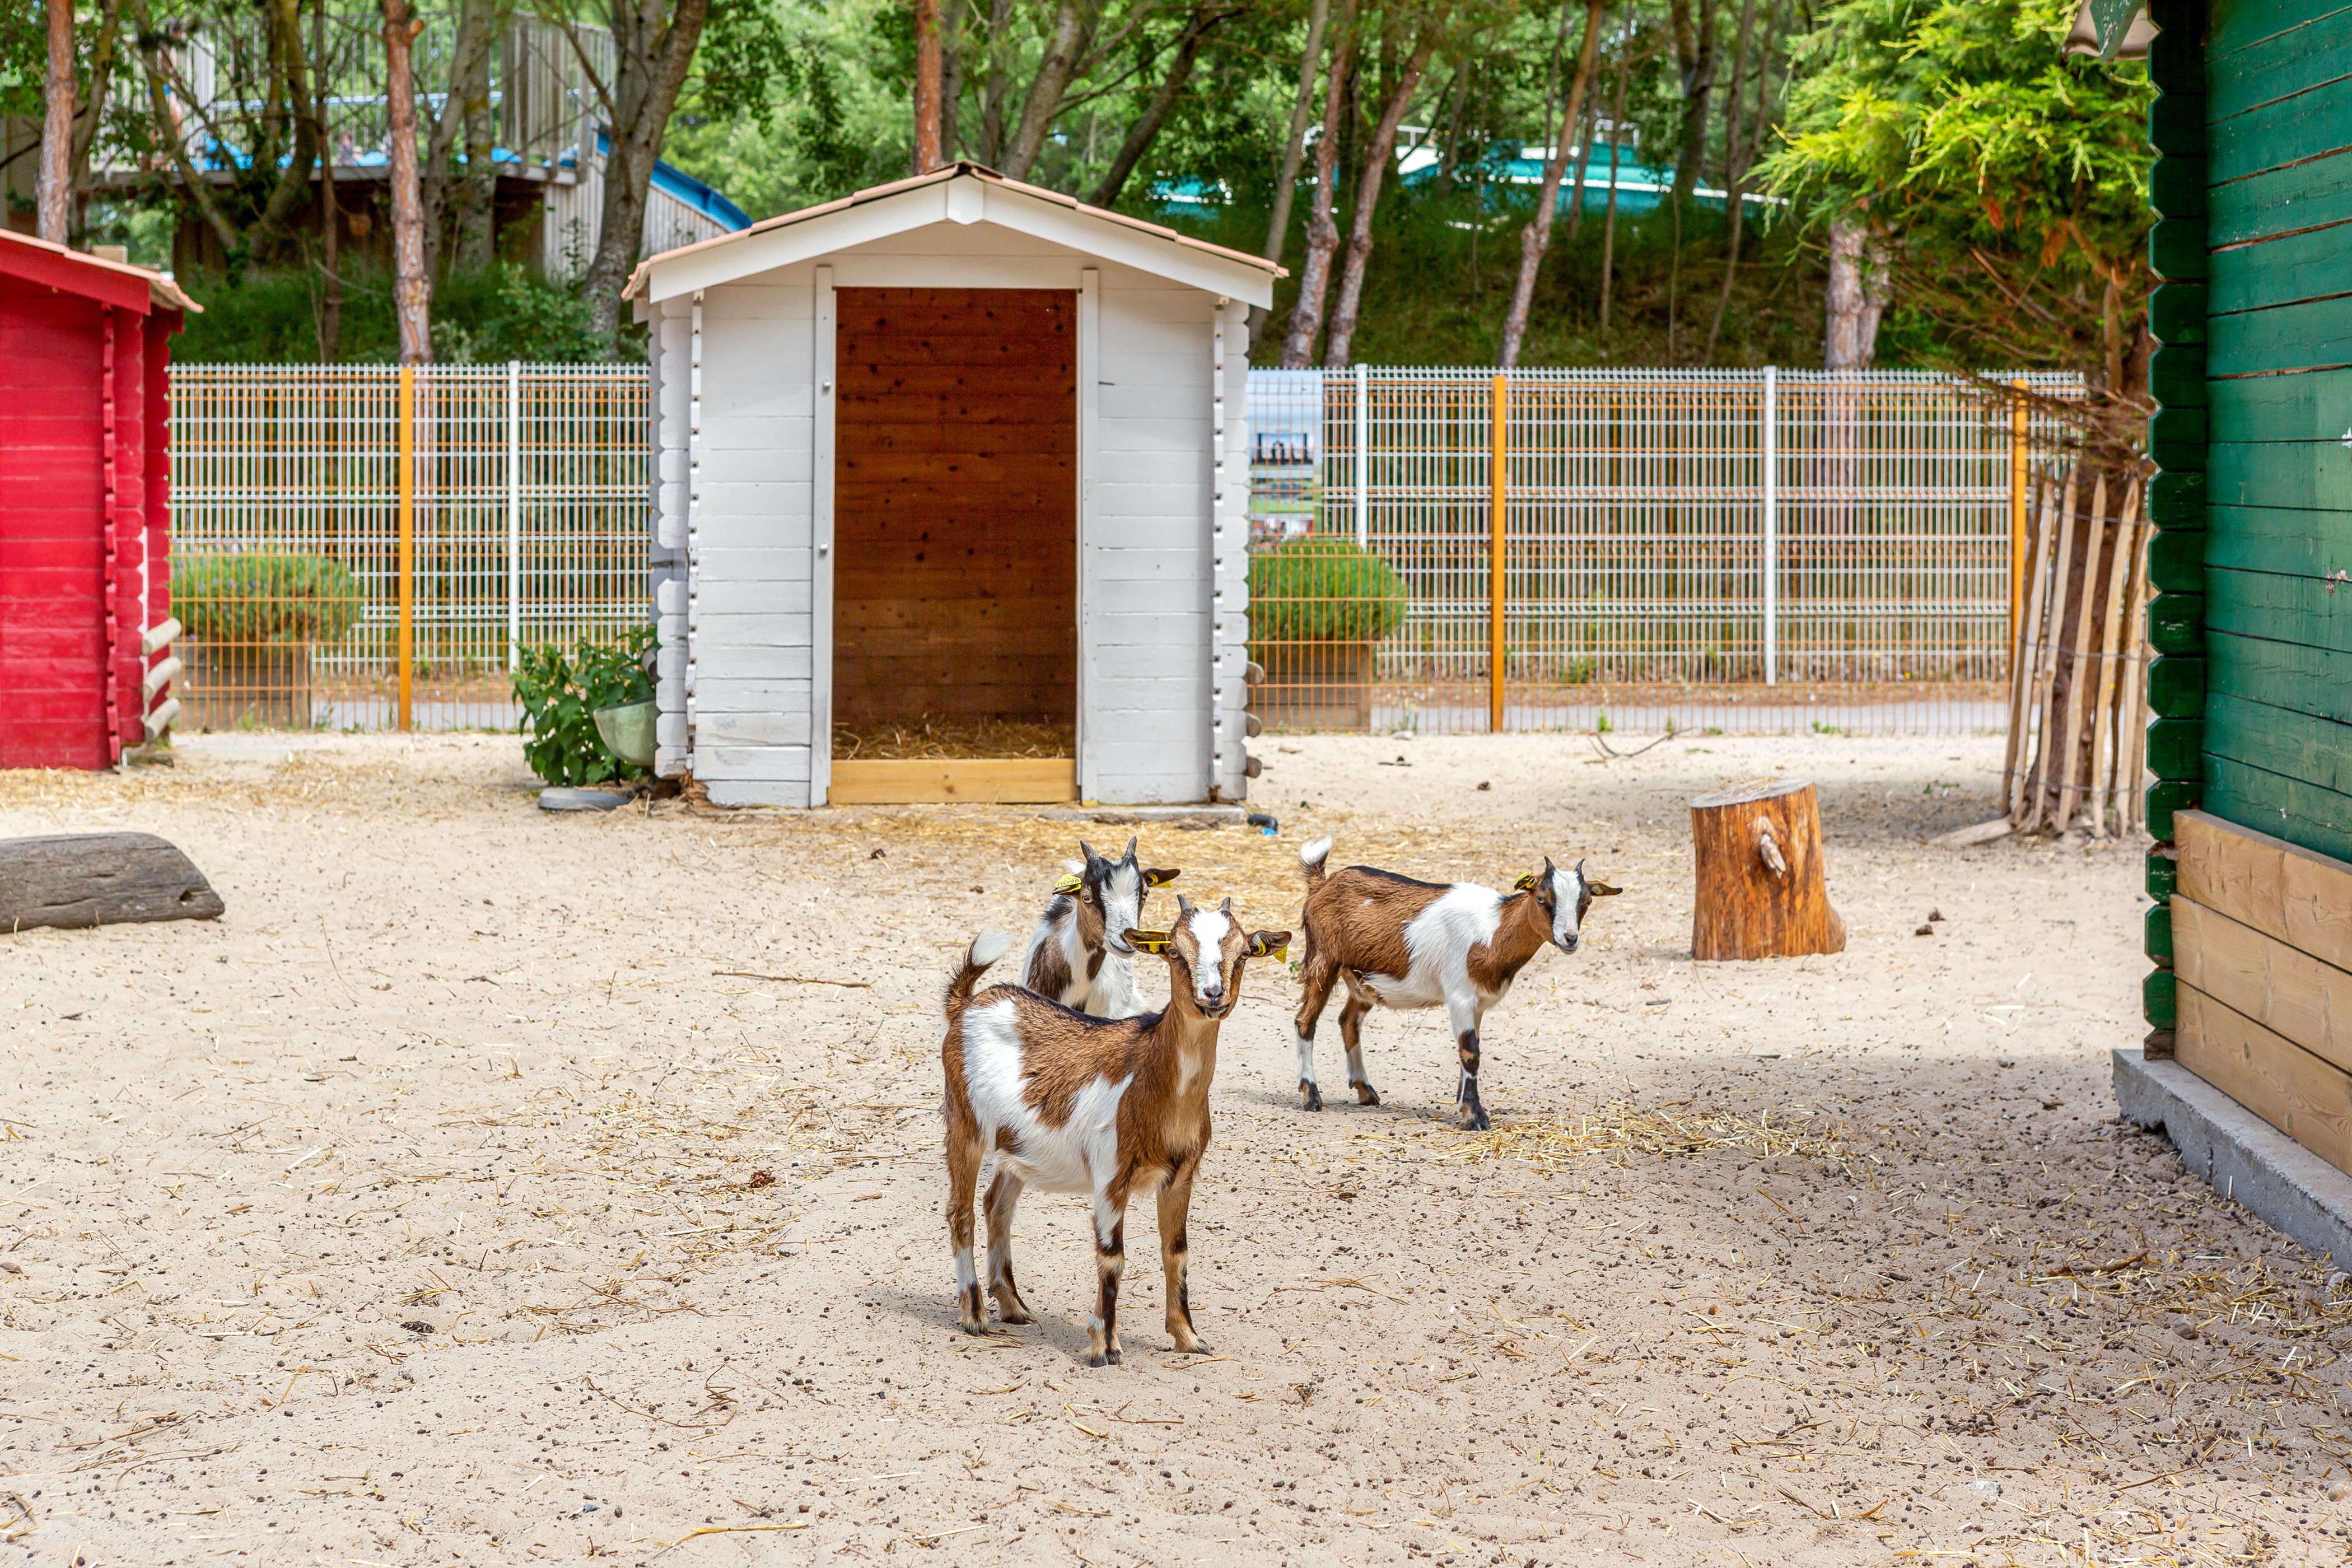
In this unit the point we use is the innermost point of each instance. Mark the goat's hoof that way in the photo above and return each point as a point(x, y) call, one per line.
point(1309, 1097)
point(1198, 1347)
point(971, 1325)
point(1014, 1315)
point(1474, 1121)
point(1097, 1360)
point(1367, 1095)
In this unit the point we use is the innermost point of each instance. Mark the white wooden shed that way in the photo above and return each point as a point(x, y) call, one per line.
point(960, 447)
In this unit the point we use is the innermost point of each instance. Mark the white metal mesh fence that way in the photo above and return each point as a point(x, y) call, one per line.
point(525, 521)
point(1733, 548)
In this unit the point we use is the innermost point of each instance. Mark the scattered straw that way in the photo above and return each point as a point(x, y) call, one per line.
point(1620, 1130)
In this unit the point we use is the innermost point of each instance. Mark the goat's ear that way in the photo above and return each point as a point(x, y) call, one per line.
point(1070, 883)
point(1160, 879)
point(1525, 884)
point(1148, 940)
point(1603, 889)
point(1269, 943)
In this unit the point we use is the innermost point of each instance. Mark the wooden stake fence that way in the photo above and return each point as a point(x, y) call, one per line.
point(2078, 683)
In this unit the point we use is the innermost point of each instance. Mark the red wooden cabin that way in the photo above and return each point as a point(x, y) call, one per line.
point(85, 505)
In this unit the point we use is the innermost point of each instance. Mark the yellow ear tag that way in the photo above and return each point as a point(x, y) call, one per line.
point(1159, 878)
point(1070, 884)
point(1525, 884)
point(1603, 890)
point(1148, 940)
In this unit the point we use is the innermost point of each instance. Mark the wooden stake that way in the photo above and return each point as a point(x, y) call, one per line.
point(2105, 720)
point(2020, 641)
point(2072, 783)
point(2046, 597)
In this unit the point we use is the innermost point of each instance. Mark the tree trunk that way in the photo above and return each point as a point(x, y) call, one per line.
point(1536, 238)
point(456, 203)
point(999, 84)
point(1694, 53)
point(1065, 41)
point(331, 290)
point(1369, 180)
point(411, 289)
point(651, 52)
point(53, 200)
point(1322, 229)
point(106, 50)
point(1146, 129)
point(1609, 215)
point(1294, 145)
point(78, 879)
point(928, 72)
point(1583, 163)
point(1850, 336)
point(950, 79)
point(1735, 168)
point(1761, 888)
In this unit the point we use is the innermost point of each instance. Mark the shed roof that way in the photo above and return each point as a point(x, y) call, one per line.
point(961, 193)
point(116, 283)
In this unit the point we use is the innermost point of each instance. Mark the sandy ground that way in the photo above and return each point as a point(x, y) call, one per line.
point(491, 1185)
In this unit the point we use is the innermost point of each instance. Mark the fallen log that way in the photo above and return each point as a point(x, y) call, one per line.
point(99, 879)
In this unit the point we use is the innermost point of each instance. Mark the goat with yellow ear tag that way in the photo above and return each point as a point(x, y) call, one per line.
point(1109, 1106)
point(1076, 954)
point(1396, 943)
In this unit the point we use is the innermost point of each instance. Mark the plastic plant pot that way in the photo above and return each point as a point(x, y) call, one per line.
point(628, 732)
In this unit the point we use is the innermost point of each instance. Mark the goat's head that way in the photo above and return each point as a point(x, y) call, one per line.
point(1206, 950)
point(1563, 897)
point(1110, 895)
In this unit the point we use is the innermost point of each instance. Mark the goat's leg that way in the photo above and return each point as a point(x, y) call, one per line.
point(1351, 1034)
point(1110, 1263)
point(964, 1156)
point(1465, 1014)
point(1316, 990)
point(1003, 1194)
point(1175, 1204)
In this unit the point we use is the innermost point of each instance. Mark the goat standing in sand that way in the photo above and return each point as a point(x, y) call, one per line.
point(1077, 953)
point(1109, 1107)
point(1400, 943)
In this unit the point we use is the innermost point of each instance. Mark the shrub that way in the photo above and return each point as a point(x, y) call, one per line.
point(561, 691)
point(1323, 590)
point(264, 596)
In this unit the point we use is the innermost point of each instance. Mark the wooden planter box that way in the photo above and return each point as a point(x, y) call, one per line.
point(1315, 685)
point(245, 686)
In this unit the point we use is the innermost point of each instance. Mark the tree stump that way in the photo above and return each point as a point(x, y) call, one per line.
point(99, 879)
point(1760, 893)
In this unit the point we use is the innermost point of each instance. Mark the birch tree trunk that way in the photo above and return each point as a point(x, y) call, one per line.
point(412, 290)
point(1369, 180)
point(1536, 238)
point(1322, 229)
point(653, 45)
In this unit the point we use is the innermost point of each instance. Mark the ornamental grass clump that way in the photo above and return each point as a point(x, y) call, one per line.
point(561, 691)
point(1323, 590)
point(254, 597)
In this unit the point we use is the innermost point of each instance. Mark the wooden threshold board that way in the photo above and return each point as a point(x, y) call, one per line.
point(2304, 1097)
point(999, 780)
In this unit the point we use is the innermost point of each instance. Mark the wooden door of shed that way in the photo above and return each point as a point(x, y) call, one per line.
point(955, 543)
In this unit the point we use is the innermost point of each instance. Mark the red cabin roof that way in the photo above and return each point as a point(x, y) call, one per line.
point(116, 283)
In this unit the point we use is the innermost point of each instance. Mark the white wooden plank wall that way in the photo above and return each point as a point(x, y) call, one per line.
point(668, 329)
point(1145, 557)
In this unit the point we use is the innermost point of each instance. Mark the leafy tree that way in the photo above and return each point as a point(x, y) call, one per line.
point(2005, 182)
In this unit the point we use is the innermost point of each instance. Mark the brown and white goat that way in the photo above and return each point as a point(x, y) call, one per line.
point(1077, 953)
point(1400, 943)
point(1112, 1108)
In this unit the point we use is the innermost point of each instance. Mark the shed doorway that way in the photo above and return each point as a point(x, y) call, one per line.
point(955, 589)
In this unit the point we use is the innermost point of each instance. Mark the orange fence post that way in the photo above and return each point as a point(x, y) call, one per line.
point(406, 479)
point(1500, 464)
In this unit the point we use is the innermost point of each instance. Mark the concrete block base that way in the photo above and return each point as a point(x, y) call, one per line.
point(2247, 1160)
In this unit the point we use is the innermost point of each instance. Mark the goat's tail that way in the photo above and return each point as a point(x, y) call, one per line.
point(986, 949)
point(1312, 857)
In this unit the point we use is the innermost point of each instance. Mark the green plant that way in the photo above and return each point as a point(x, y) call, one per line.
point(1323, 590)
point(264, 596)
point(561, 689)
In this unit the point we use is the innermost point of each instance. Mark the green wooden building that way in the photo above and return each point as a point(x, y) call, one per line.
point(2250, 934)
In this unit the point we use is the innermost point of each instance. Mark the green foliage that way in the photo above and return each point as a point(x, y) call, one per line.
point(1323, 590)
point(264, 596)
point(483, 317)
point(561, 691)
point(2007, 180)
